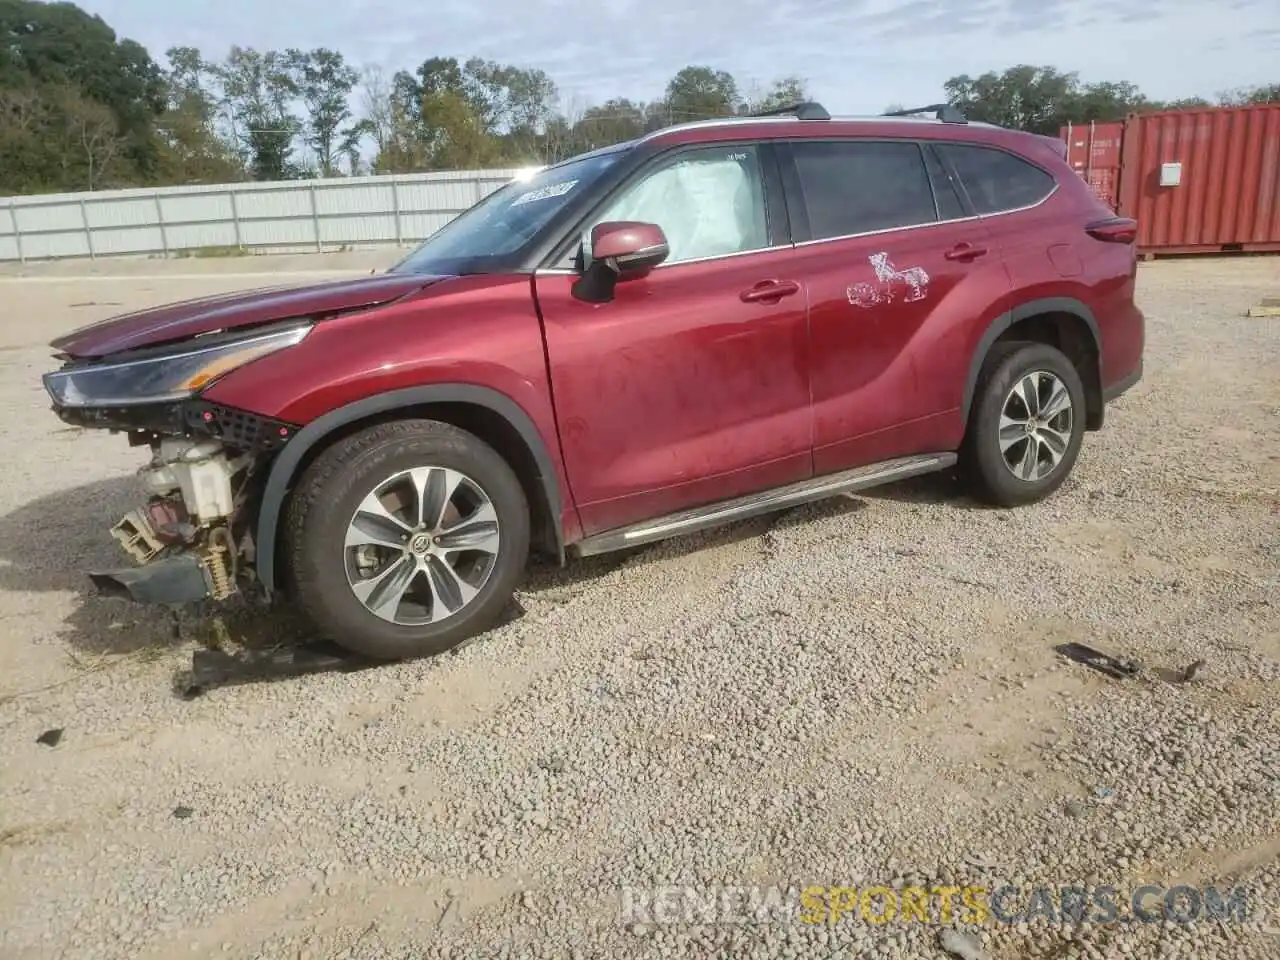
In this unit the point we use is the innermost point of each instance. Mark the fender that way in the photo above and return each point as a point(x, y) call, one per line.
point(1006, 320)
point(286, 463)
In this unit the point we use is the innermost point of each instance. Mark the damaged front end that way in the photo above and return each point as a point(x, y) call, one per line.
point(193, 538)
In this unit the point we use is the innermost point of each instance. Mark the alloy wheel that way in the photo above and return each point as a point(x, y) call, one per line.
point(421, 546)
point(1036, 422)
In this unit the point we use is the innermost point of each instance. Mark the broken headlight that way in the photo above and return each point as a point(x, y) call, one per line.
point(165, 377)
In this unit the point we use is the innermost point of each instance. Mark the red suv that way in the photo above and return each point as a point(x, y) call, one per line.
point(718, 320)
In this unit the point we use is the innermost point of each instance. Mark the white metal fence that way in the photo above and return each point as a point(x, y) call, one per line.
point(284, 217)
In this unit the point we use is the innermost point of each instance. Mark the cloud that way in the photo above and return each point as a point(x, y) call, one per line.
point(857, 55)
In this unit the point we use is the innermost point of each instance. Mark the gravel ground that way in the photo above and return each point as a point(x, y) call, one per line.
point(857, 693)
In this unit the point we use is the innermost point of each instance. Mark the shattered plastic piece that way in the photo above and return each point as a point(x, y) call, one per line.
point(216, 668)
point(1097, 660)
point(50, 738)
point(960, 944)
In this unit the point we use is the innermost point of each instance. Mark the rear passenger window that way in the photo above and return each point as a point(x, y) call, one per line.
point(857, 186)
point(944, 189)
point(995, 180)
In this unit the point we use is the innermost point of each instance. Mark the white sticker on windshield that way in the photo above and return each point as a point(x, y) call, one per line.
point(545, 193)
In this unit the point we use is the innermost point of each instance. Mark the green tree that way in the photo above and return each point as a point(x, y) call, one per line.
point(1266, 93)
point(783, 92)
point(324, 83)
point(392, 117)
point(1186, 103)
point(614, 121)
point(258, 89)
point(701, 93)
point(1037, 99)
point(192, 148)
point(58, 47)
point(1105, 101)
point(1040, 99)
point(459, 138)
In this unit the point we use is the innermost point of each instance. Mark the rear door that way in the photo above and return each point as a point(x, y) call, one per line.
point(692, 385)
point(898, 271)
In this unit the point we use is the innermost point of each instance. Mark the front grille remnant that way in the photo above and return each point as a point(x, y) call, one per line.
point(237, 428)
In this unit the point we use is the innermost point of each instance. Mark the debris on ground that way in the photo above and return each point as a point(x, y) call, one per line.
point(961, 944)
point(1097, 660)
point(1266, 307)
point(1192, 671)
point(50, 738)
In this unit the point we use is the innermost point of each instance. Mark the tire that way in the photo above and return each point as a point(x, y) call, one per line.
point(984, 465)
point(332, 504)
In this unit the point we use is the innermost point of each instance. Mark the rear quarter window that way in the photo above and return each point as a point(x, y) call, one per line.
point(997, 181)
point(852, 187)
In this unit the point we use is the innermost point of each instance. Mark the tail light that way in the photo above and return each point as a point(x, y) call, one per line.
point(1113, 230)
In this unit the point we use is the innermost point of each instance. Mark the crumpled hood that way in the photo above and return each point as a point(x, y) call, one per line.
point(188, 318)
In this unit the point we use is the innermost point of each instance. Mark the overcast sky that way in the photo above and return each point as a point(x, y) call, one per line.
point(857, 55)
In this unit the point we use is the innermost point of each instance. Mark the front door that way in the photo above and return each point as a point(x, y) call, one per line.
point(896, 272)
point(687, 388)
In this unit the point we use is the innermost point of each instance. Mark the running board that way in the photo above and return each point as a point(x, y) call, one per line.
point(757, 504)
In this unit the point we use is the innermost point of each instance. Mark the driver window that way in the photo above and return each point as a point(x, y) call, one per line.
point(709, 202)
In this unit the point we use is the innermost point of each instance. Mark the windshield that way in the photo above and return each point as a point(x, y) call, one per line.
point(488, 237)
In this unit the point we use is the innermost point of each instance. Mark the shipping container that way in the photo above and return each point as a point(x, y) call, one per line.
point(1197, 181)
point(1093, 150)
point(1203, 181)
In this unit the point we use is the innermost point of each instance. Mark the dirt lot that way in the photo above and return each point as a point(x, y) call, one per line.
point(858, 693)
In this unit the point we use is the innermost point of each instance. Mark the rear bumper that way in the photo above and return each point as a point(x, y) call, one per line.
point(1123, 385)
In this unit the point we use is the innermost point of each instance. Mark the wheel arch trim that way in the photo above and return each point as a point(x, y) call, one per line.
point(285, 466)
point(1001, 325)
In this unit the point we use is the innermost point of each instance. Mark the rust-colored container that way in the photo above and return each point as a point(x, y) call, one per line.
point(1197, 181)
point(1093, 150)
point(1203, 181)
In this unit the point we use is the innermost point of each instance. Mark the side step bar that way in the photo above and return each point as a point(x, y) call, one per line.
point(757, 504)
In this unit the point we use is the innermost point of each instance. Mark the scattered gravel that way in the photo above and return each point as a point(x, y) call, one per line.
point(859, 693)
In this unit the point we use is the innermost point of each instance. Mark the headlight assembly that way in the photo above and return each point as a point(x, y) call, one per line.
point(167, 377)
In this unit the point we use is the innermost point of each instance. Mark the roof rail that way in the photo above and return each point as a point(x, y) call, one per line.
point(941, 111)
point(801, 111)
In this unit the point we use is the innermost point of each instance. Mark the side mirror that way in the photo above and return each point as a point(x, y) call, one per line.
point(619, 251)
point(632, 249)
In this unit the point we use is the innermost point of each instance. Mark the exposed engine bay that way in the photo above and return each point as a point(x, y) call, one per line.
point(194, 525)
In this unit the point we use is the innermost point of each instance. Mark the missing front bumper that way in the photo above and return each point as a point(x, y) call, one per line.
point(173, 581)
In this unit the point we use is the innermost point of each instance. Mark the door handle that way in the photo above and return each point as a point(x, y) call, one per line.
point(767, 291)
point(964, 252)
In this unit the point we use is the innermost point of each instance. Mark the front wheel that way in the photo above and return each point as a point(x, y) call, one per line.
point(405, 539)
point(1026, 427)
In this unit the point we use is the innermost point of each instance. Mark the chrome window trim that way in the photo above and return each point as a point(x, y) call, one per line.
point(563, 271)
point(935, 223)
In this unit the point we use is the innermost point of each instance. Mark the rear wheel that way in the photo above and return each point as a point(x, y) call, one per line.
point(1027, 425)
point(405, 539)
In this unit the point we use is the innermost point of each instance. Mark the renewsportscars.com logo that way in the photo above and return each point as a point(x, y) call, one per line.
point(969, 905)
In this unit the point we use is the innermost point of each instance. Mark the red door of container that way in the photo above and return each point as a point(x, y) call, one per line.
point(1093, 150)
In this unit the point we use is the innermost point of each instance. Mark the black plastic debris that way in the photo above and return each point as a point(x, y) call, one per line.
point(217, 668)
point(183, 813)
point(1097, 660)
point(50, 738)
